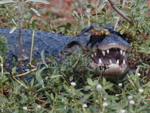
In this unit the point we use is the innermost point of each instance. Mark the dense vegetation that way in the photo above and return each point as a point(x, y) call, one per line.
point(57, 88)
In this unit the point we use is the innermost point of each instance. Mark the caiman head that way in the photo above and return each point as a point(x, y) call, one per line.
point(109, 50)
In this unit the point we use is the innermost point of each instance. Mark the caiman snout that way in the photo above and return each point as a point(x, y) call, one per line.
point(109, 56)
point(109, 50)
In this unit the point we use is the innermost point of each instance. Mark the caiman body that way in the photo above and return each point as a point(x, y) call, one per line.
point(109, 49)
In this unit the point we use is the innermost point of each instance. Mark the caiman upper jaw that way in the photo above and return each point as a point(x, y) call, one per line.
point(106, 57)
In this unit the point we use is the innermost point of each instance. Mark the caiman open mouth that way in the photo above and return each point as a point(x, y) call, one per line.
point(111, 62)
point(107, 57)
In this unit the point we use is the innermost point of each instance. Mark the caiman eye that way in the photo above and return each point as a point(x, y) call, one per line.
point(97, 35)
point(72, 46)
point(73, 43)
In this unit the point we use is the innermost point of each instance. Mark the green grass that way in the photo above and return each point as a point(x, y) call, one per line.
point(61, 89)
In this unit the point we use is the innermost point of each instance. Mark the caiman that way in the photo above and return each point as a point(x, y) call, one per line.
point(109, 49)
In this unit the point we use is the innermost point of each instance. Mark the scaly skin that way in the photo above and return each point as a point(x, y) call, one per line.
point(109, 48)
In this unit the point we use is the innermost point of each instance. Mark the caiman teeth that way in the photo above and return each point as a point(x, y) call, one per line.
point(117, 61)
point(110, 61)
point(103, 52)
point(113, 55)
point(124, 53)
point(124, 61)
point(100, 61)
point(121, 51)
point(107, 51)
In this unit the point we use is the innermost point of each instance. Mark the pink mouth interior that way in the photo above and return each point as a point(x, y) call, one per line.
point(113, 55)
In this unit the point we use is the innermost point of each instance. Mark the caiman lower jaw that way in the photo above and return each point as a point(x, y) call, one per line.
point(111, 63)
point(112, 71)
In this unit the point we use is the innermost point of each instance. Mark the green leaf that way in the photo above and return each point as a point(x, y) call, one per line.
point(97, 2)
point(35, 12)
point(102, 5)
point(51, 58)
point(52, 96)
point(108, 86)
point(17, 89)
point(32, 82)
point(137, 70)
point(88, 10)
point(14, 22)
point(132, 2)
point(138, 3)
point(39, 78)
point(76, 14)
point(84, 99)
point(7, 2)
point(95, 82)
point(66, 88)
point(13, 70)
point(12, 30)
point(75, 64)
point(86, 88)
point(126, 11)
point(55, 76)
point(90, 82)
point(142, 108)
point(3, 42)
point(24, 98)
point(43, 1)
point(33, 24)
point(43, 58)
